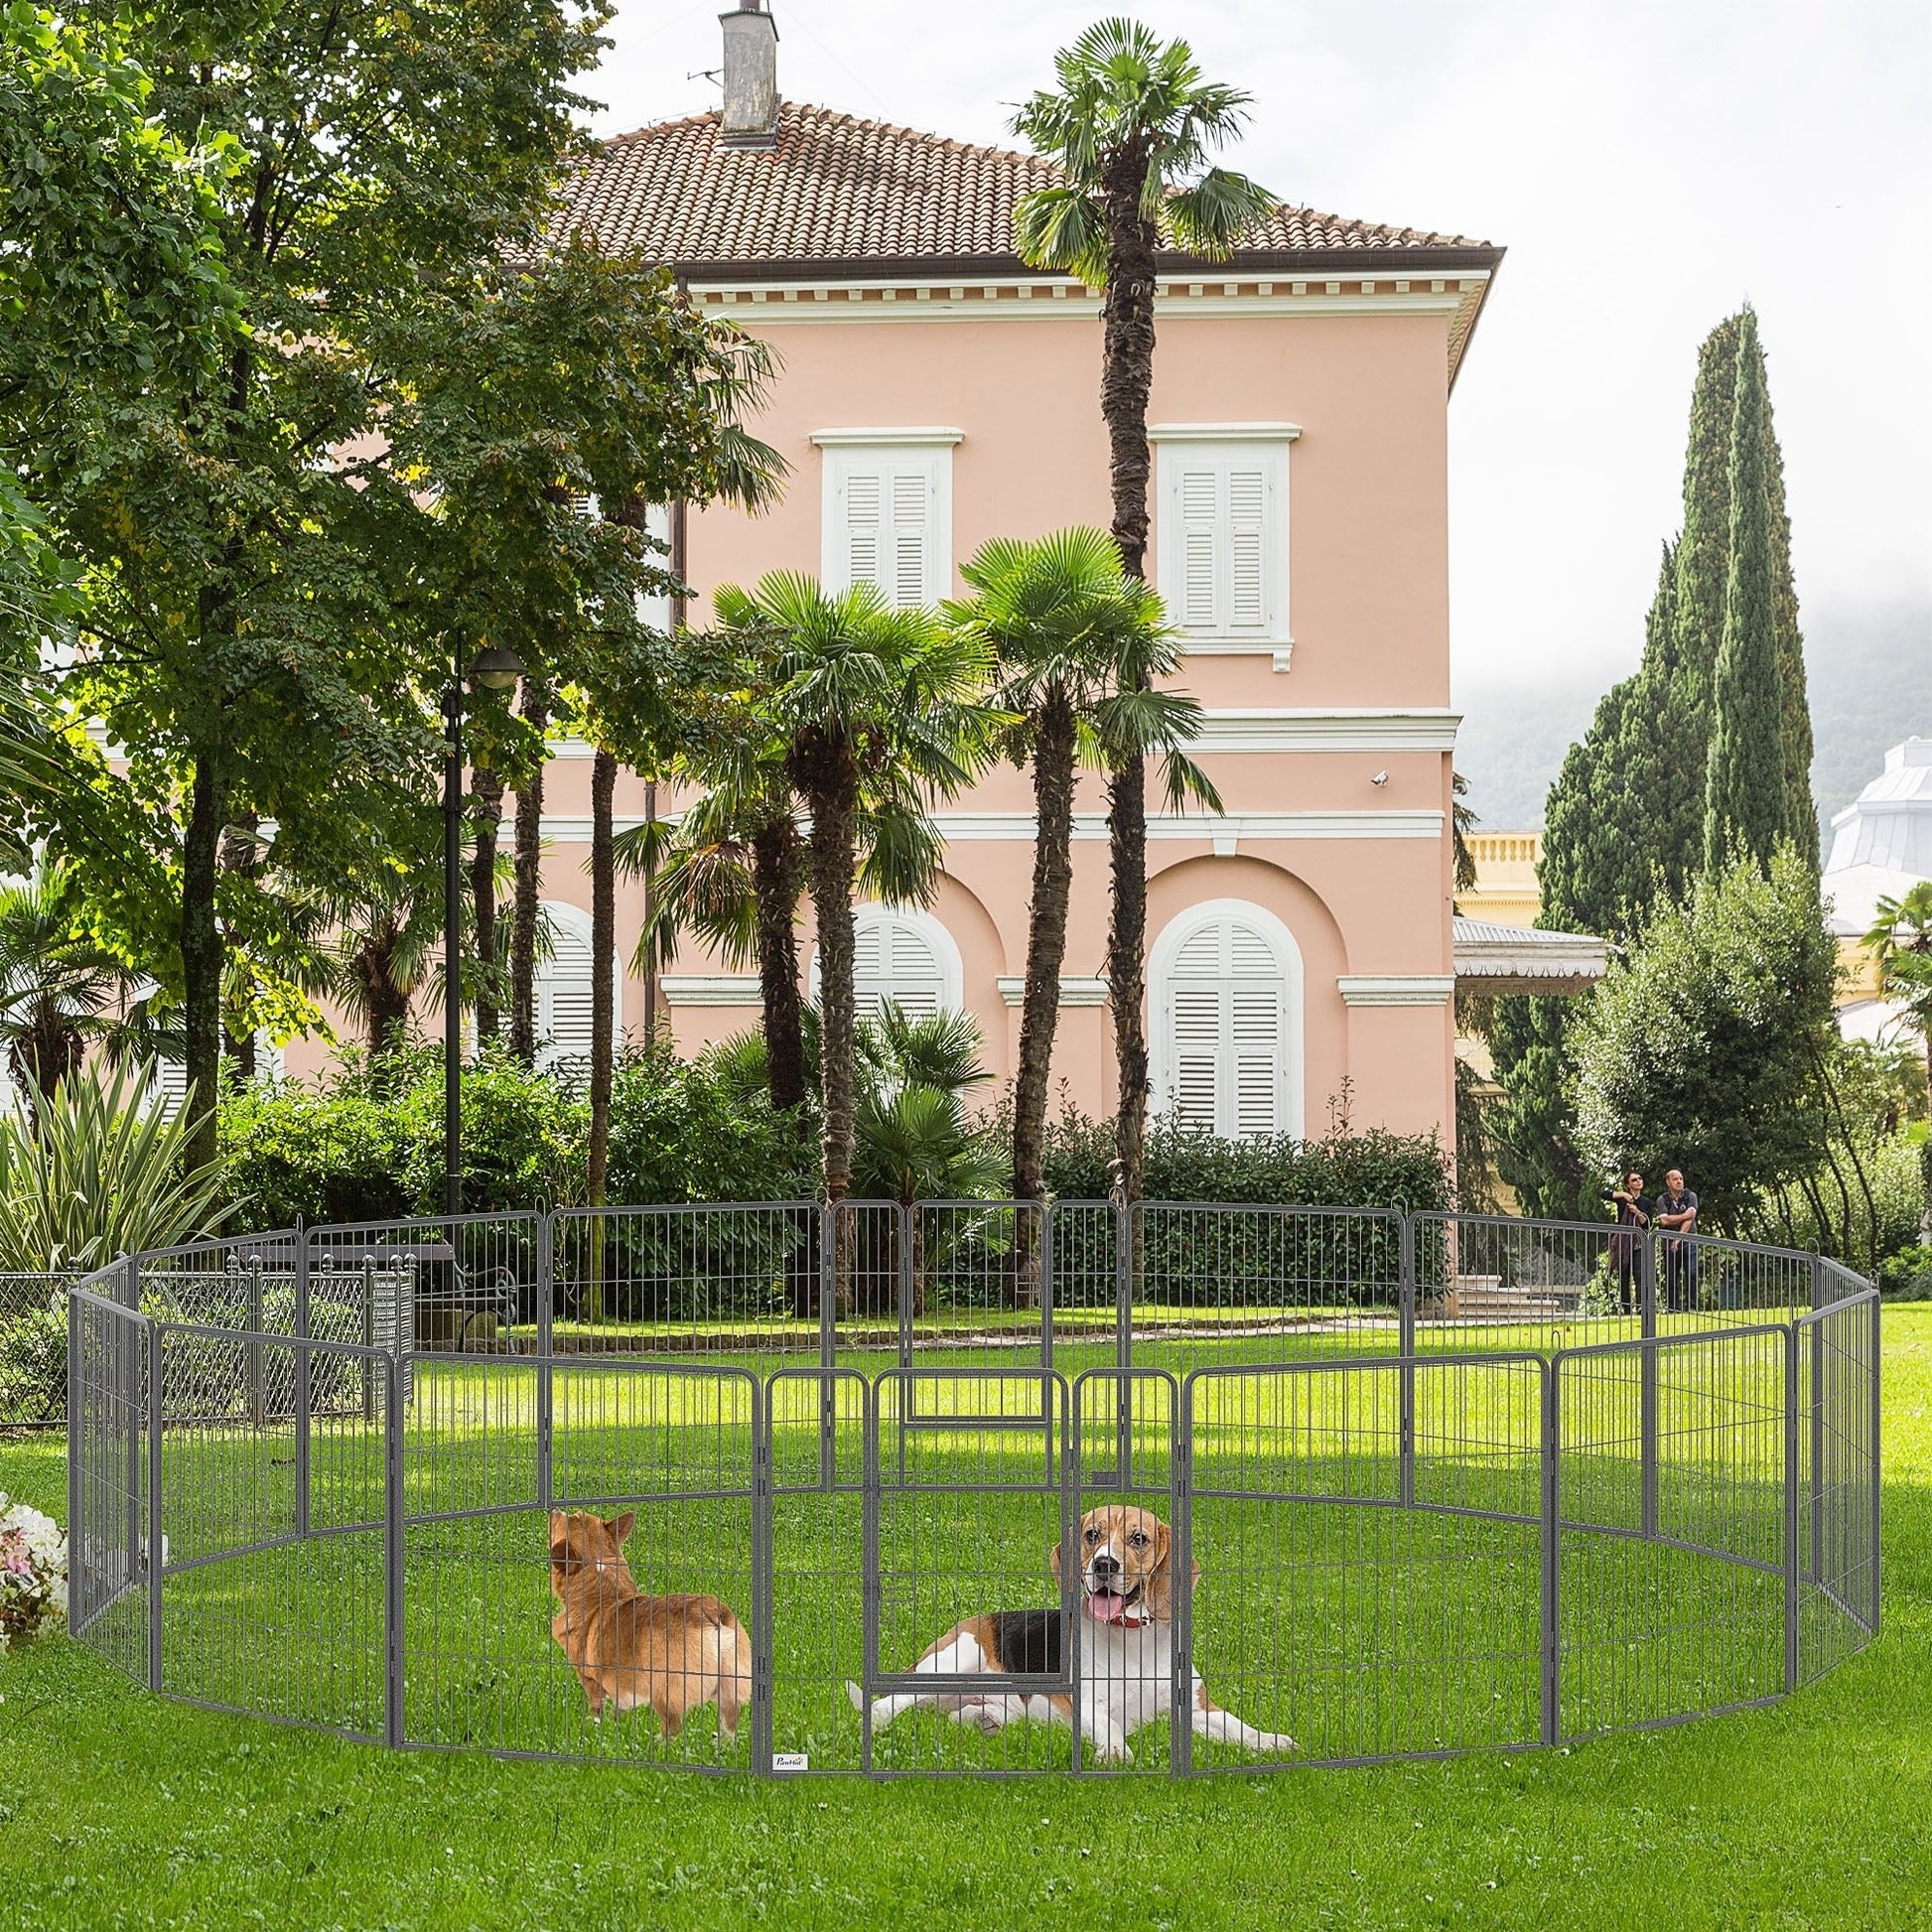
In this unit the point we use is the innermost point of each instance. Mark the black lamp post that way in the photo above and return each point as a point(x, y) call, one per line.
point(497, 669)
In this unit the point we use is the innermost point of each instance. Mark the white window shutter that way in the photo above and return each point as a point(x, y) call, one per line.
point(1247, 548)
point(864, 492)
point(912, 537)
point(1226, 997)
point(1200, 501)
point(564, 996)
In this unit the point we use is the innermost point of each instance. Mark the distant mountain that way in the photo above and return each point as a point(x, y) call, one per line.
point(1870, 677)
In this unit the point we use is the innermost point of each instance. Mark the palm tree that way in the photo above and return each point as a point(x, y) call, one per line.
point(1080, 643)
point(864, 700)
point(60, 989)
point(1900, 940)
point(1132, 125)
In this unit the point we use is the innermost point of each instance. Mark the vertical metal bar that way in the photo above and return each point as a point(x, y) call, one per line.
point(1791, 1660)
point(303, 1400)
point(1406, 1374)
point(1125, 1214)
point(1817, 1485)
point(763, 1619)
point(392, 1549)
point(157, 1548)
point(452, 938)
point(828, 1335)
point(78, 1539)
point(905, 1231)
point(130, 1358)
point(1647, 1380)
point(546, 1343)
point(1878, 1341)
point(252, 1271)
point(1073, 1630)
point(1181, 1453)
point(369, 1335)
point(1549, 1373)
point(1048, 1214)
point(869, 1503)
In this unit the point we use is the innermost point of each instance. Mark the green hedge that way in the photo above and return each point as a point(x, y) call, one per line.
point(369, 1145)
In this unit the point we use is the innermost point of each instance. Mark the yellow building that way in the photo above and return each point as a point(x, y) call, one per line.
point(1505, 891)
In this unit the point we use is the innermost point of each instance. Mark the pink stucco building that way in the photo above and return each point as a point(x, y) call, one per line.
point(934, 392)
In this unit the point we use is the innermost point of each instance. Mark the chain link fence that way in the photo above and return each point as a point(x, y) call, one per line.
point(973, 1488)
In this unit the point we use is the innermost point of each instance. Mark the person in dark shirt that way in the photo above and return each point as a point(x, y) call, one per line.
point(1635, 1213)
point(1677, 1214)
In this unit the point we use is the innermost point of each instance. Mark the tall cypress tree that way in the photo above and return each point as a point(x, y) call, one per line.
point(1626, 825)
point(1746, 802)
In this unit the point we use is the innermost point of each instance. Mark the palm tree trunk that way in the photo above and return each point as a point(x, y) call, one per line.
point(776, 870)
point(834, 866)
point(486, 798)
point(529, 886)
point(1046, 914)
point(201, 956)
point(603, 963)
point(1126, 381)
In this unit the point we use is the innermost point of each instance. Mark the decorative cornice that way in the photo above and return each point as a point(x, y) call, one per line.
point(1326, 731)
point(834, 438)
point(1204, 827)
point(710, 988)
point(1396, 989)
point(1223, 432)
point(1074, 992)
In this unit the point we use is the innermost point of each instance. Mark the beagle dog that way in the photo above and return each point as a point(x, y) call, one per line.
point(1125, 1638)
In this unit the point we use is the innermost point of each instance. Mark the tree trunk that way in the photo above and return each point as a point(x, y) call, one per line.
point(486, 798)
point(243, 856)
point(1125, 379)
point(529, 887)
point(834, 865)
point(604, 962)
point(385, 1006)
point(202, 956)
point(1046, 914)
point(776, 870)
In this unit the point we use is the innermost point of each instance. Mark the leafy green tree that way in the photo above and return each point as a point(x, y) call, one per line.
point(865, 699)
point(1702, 1050)
point(1079, 644)
point(247, 537)
point(1132, 125)
point(1745, 800)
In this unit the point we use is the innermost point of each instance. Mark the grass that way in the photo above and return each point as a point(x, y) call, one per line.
point(117, 1808)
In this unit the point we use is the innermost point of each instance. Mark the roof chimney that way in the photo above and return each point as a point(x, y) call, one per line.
point(751, 76)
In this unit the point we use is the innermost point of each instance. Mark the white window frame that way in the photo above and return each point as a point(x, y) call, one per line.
point(1291, 1073)
point(944, 948)
point(885, 452)
point(1224, 448)
point(656, 610)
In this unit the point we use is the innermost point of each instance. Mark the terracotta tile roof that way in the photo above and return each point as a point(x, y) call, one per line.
point(839, 189)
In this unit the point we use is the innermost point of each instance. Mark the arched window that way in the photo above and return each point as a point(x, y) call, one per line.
point(904, 957)
point(562, 987)
point(1226, 984)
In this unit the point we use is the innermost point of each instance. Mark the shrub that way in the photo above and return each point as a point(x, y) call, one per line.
point(97, 1176)
point(33, 1367)
point(1907, 1275)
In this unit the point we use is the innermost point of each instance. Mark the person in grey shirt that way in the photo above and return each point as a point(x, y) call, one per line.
point(1677, 1214)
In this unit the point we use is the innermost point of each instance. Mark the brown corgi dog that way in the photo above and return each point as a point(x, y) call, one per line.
point(675, 1653)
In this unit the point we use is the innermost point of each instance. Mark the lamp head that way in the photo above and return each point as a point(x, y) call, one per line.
point(495, 667)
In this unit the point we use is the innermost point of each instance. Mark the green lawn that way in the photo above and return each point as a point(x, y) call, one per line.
point(117, 1808)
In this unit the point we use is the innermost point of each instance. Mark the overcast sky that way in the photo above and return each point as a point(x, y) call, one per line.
point(1649, 164)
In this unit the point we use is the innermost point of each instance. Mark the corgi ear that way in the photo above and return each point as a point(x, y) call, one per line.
point(622, 1526)
point(559, 1536)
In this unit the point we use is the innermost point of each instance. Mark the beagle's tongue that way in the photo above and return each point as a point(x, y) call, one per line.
point(1107, 1605)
